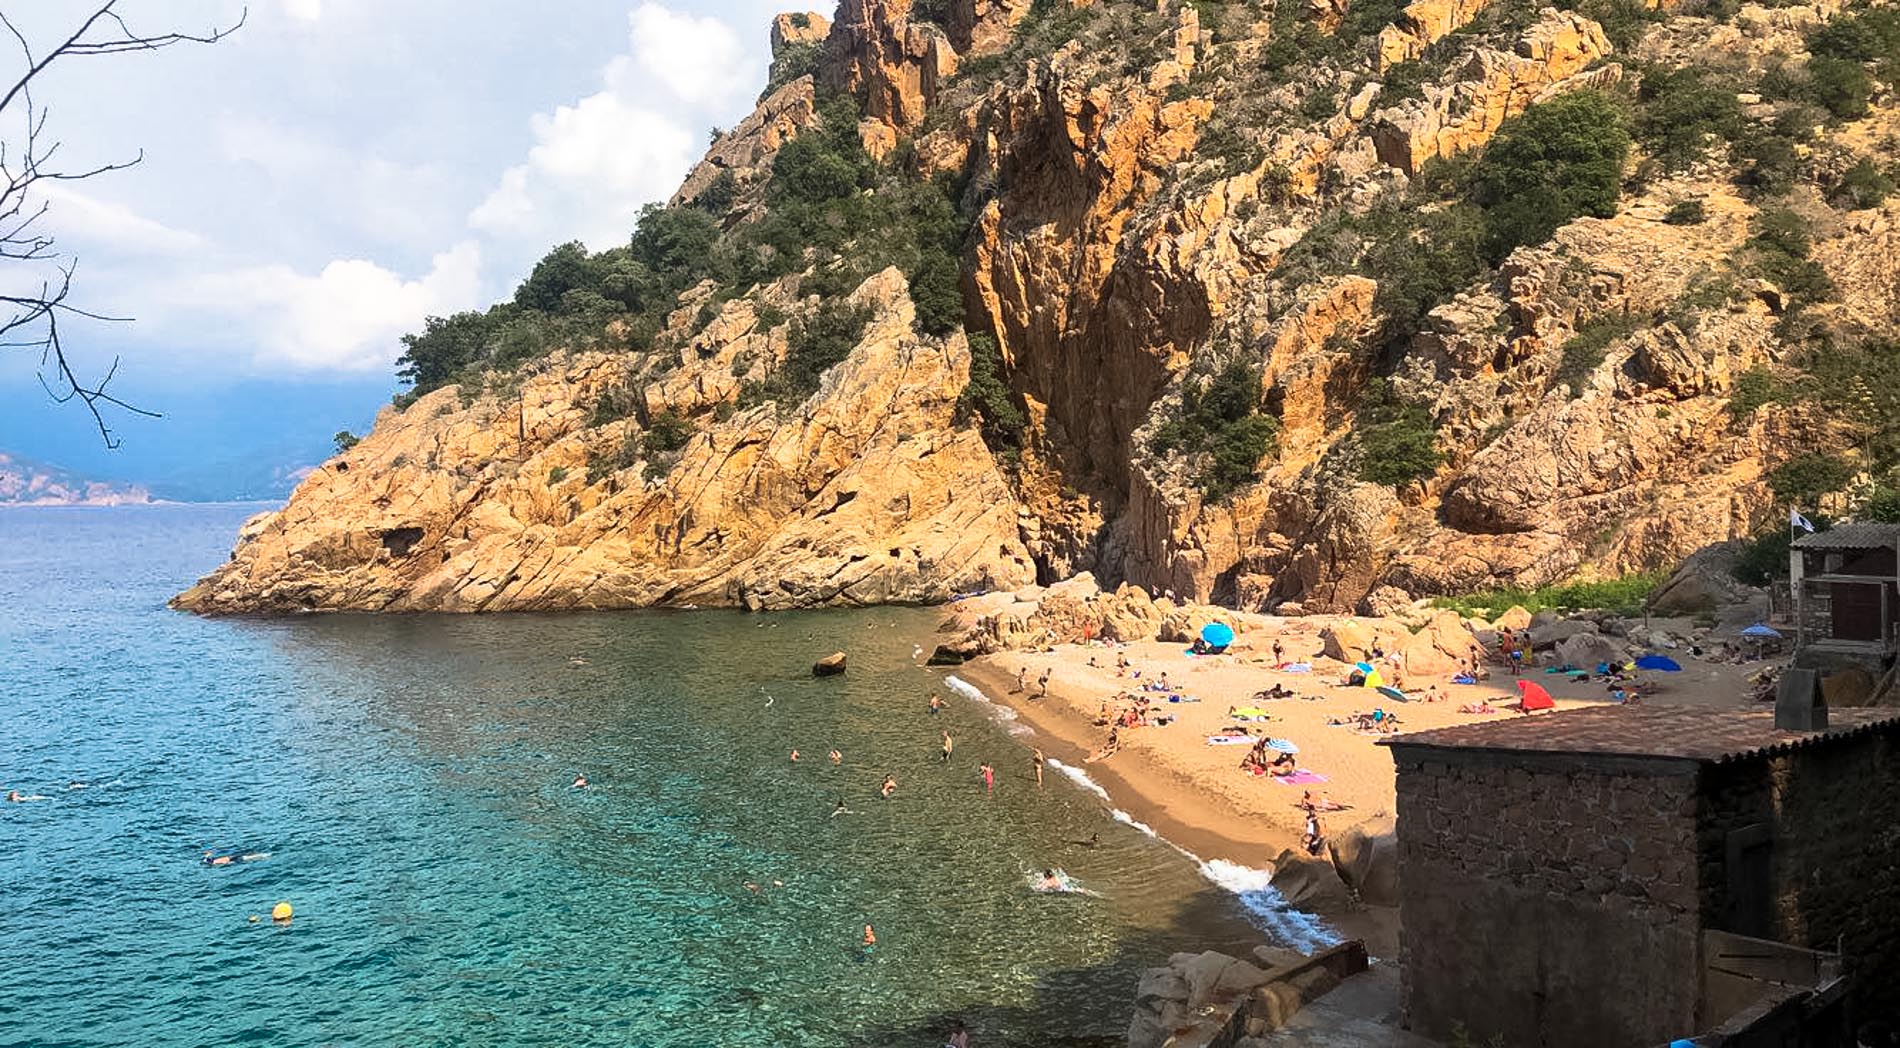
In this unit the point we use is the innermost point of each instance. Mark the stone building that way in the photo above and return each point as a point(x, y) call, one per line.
point(1846, 589)
point(1580, 879)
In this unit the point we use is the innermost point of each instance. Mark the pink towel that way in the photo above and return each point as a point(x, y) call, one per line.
point(1299, 778)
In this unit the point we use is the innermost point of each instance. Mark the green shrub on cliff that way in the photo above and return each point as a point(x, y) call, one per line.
point(1399, 440)
point(1222, 426)
point(815, 344)
point(1680, 111)
point(987, 398)
point(1803, 479)
point(1558, 161)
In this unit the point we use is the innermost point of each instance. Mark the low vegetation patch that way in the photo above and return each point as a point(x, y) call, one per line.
point(1618, 596)
point(1584, 351)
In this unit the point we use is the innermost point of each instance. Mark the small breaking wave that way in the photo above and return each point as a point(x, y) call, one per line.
point(1254, 888)
point(1269, 909)
point(998, 712)
point(1080, 778)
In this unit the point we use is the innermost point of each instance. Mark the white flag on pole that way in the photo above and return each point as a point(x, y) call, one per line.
point(1796, 520)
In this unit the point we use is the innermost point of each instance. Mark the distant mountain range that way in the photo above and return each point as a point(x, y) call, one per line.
point(24, 482)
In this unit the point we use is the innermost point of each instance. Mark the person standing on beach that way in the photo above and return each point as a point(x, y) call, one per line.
point(948, 745)
point(1279, 653)
point(1022, 679)
point(1042, 684)
point(1037, 760)
point(989, 777)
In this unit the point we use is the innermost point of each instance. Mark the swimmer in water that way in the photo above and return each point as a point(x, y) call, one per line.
point(889, 787)
point(841, 809)
point(989, 777)
point(870, 939)
point(1051, 882)
point(836, 757)
point(13, 797)
point(580, 782)
point(214, 859)
point(794, 756)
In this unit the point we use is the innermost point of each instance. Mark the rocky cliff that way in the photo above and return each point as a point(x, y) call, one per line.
point(1473, 350)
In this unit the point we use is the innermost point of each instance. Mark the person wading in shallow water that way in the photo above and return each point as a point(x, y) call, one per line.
point(1037, 760)
point(948, 745)
point(889, 787)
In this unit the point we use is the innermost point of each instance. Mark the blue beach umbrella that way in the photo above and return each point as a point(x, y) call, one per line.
point(1392, 693)
point(1760, 631)
point(1659, 662)
point(1217, 634)
point(1283, 745)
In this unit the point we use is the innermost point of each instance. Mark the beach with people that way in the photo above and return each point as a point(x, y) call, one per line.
point(1182, 742)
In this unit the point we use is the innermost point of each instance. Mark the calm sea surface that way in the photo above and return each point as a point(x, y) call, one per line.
point(410, 780)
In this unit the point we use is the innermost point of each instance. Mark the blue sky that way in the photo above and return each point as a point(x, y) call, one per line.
point(337, 170)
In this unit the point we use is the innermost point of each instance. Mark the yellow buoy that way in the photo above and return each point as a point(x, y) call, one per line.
point(280, 912)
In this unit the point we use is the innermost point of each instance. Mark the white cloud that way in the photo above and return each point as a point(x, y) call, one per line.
point(348, 317)
point(596, 161)
point(80, 220)
point(697, 60)
point(304, 10)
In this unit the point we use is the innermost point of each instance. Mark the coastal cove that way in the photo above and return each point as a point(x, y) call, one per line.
point(409, 778)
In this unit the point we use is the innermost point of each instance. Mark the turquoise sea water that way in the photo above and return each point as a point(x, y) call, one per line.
point(410, 780)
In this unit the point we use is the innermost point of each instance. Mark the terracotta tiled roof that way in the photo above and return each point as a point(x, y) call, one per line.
point(1679, 732)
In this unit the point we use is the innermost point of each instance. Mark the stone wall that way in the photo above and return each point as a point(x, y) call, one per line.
point(1546, 899)
point(1831, 814)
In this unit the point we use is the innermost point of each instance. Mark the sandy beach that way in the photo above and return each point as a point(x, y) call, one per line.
point(1196, 794)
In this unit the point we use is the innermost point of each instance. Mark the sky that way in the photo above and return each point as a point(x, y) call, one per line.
point(319, 182)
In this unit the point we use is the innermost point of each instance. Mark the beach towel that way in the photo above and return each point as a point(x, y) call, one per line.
point(1299, 778)
point(1464, 678)
point(1535, 697)
point(1228, 740)
point(1298, 667)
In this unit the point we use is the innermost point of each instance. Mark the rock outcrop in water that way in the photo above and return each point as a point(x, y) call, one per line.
point(1145, 197)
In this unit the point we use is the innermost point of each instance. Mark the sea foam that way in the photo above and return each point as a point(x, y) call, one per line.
point(998, 712)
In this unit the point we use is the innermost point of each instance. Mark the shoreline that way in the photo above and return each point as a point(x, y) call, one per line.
point(1199, 823)
point(1181, 815)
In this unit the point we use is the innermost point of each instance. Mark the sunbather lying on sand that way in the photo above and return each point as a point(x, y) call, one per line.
point(1320, 803)
point(1477, 707)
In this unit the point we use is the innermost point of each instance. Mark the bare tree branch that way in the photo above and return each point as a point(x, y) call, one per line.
point(30, 320)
